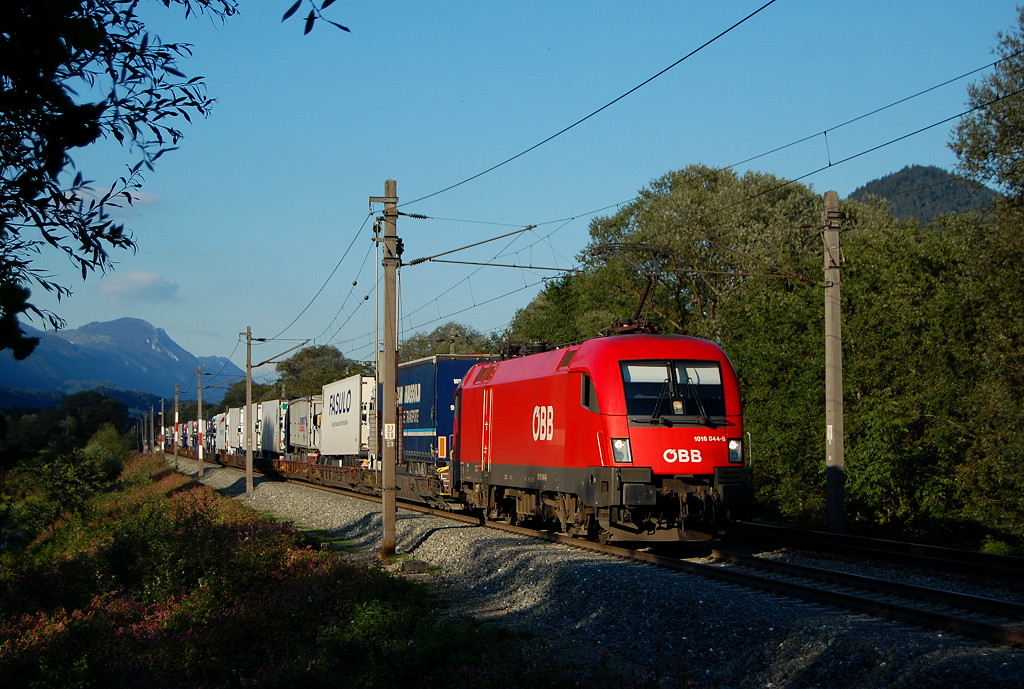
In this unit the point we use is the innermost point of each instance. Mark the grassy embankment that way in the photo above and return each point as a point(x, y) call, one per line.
point(165, 583)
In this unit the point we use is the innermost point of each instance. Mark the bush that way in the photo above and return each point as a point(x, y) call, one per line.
point(163, 583)
point(106, 453)
point(36, 495)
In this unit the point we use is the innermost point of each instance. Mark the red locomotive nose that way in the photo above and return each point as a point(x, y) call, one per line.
point(619, 431)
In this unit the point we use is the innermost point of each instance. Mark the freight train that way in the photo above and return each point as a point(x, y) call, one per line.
point(633, 437)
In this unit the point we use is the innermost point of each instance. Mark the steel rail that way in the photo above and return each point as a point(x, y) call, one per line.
point(899, 612)
point(927, 556)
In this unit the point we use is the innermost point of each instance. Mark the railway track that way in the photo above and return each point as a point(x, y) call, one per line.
point(977, 566)
point(946, 611)
point(990, 619)
point(978, 617)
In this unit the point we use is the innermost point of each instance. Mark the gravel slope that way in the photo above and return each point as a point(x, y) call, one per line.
point(647, 622)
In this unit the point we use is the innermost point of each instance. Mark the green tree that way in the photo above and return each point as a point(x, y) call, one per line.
point(773, 332)
point(989, 473)
point(908, 330)
point(73, 72)
point(310, 368)
point(988, 144)
point(707, 228)
point(235, 395)
point(451, 337)
point(83, 414)
point(988, 141)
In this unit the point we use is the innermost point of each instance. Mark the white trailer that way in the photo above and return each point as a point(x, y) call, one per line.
point(234, 439)
point(347, 407)
point(220, 432)
point(273, 416)
point(304, 416)
point(253, 421)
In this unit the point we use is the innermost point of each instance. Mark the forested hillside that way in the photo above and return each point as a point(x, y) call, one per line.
point(933, 330)
point(926, 192)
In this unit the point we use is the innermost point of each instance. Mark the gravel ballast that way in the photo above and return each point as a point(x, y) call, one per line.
point(644, 621)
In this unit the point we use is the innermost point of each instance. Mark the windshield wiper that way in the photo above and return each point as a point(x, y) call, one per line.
point(657, 404)
point(700, 403)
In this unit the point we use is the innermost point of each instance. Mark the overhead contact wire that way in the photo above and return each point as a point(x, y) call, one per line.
point(323, 286)
point(599, 110)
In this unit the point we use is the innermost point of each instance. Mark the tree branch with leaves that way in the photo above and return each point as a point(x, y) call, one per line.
point(74, 72)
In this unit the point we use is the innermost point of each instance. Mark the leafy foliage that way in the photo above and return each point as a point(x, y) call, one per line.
point(932, 339)
point(989, 140)
point(707, 235)
point(37, 493)
point(62, 429)
point(309, 369)
point(235, 396)
point(450, 338)
point(315, 15)
point(73, 72)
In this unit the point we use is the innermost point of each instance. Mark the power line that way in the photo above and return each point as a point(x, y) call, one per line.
point(601, 109)
point(336, 266)
point(474, 222)
point(497, 265)
point(889, 143)
point(445, 253)
point(351, 291)
point(475, 305)
point(875, 111)
point(833, 164)
point(621, 203)
point(851, 157)
point(466, 279)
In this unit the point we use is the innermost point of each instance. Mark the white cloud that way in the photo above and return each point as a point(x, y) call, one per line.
point(119, 204)
point(138, 288)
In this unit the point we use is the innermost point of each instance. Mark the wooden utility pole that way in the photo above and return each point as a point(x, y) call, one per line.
point(387, 372)
point(247, 420)
point(199, 422)
point(835, 463)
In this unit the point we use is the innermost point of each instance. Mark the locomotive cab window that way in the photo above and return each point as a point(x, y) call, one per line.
point(677, 390)
point(588, 394)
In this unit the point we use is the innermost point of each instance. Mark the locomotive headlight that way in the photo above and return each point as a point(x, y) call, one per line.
point(735, 451)
point(621, 453)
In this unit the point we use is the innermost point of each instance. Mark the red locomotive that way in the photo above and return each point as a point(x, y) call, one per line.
point(627, 437)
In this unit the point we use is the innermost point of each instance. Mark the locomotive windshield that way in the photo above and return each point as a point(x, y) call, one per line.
point(673, 390)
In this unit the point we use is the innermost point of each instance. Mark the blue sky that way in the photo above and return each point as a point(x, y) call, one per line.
point(266, 197)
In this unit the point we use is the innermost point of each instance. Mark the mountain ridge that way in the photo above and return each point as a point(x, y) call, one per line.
point(124, 354)
point(926, 192)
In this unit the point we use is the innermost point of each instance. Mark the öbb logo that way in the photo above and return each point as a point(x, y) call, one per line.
point(672, 456)
point(543, 423)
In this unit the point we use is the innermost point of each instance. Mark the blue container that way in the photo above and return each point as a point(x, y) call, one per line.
point(426, 397)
